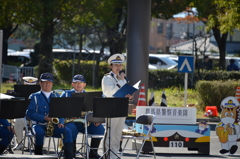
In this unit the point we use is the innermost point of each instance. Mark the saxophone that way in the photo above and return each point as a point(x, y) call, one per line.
point(50, 126)
point(222, 134)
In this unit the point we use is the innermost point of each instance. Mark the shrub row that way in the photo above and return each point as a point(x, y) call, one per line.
point(157, 78)
point(211, 93)
point(172, 78)
point(63, 70)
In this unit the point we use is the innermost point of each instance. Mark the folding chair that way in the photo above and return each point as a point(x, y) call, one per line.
point(29, 135)
point(145, 120)
point(89, 118)
point(54, 145)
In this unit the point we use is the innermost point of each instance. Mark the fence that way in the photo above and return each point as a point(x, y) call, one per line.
point(15, 72)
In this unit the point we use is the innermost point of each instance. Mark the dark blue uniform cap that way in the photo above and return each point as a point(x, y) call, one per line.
point(46, 77)
point(79, 78)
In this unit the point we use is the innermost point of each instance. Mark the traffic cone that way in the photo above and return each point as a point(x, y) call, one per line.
point(11, 78)
point(164, 100)
point(237, 96)
point(142, 97)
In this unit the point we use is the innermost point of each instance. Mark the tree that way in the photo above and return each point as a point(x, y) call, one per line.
point(8, 23)
point(44, 16)
point(228, 15)
point(209, 12)
point(210, 18)
point(103, 23)
point(166, 9)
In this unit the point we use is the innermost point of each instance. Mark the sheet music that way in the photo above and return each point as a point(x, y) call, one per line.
point(127, 89)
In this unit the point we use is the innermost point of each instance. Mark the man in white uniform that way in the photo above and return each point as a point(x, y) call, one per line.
point(111, 82)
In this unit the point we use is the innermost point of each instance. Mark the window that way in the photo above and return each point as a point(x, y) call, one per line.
point(155, 61)
point(159, 28)
point(169, 31)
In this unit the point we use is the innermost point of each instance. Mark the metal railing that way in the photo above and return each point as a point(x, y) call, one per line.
point(15, 72)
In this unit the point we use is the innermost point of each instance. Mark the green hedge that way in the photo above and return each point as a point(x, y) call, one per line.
point(211, 93)
point(63, 70)
point(172, 78)
point(158, 79)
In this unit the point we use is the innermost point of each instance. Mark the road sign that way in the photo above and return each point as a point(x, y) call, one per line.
point(186, 64)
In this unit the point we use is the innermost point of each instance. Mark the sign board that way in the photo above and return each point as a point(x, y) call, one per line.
point(186, 64)
point(169, 115)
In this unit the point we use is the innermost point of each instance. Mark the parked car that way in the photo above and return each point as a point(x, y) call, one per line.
point(18, 58)
point(161, 62)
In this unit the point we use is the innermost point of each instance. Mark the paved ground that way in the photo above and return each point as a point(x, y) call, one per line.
point(128, 154)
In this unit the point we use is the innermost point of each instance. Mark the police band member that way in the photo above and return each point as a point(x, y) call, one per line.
point(111, 83)
point(38, 110)
point(6, 134)
point(78, 84)
point(19, 123)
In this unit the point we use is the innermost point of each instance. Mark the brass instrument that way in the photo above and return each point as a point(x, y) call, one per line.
point(131, 132)
point(222, 134)
point(68, 120)
point(50, 126)
point(81, 120)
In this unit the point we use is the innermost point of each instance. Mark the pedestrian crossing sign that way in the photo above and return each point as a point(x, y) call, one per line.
point(186, 64)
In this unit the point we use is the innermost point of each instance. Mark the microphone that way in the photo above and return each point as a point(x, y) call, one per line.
point(120, 72)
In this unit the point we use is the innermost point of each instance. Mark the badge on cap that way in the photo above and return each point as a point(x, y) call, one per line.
point(230, 102)
point(47, 77)
point(116, 59)
point(79, 78)
point(30, 80)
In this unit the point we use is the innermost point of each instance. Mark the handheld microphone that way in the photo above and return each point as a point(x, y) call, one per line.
point(124, 76)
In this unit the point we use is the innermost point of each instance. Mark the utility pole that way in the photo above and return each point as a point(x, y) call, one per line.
point(1, 50)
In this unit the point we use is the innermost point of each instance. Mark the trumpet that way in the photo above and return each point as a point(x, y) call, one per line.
point(50, 126)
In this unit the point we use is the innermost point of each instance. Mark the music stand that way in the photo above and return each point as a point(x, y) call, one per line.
point(88, 99)
point(12, 109)
point(116, 107)
point(65, 107)
point(26, 90)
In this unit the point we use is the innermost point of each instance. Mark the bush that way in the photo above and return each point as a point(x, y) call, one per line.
point(159, 79)
point(172, 78)
point(211, 93)
point(63, 70)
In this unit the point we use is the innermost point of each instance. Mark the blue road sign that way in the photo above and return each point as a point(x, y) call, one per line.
point(186, 64)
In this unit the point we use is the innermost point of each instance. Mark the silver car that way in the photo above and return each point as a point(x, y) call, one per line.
point(160, 62)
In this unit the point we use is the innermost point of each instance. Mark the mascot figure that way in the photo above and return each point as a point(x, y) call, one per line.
point(228, 129)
